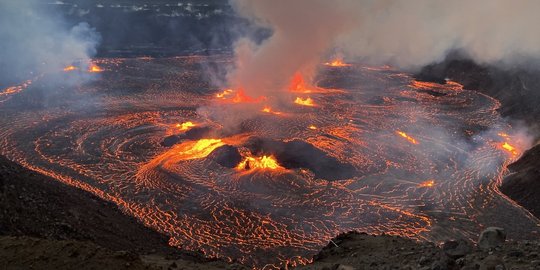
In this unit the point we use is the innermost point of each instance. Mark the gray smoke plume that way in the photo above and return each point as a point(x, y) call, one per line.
point(405, 34)
point(34, 39)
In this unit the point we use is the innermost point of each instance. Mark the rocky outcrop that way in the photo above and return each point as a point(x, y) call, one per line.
point(523, 182)
point(362, 251)
point(491, 238)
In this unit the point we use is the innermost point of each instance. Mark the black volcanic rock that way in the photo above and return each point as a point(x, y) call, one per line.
point(35, 205)
point(517, 88)
point(196, 133)
point(170, 140)
point(300, 154)
point(226, 156)
point(523, 183)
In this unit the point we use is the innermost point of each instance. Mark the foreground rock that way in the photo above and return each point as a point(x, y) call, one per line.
point(45, 224)
point(35, 253)
point(523, 182)
point(362, 251)
point(491, 238)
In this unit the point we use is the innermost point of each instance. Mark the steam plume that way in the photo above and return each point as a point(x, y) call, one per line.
point(406, 34)
point(34, 40)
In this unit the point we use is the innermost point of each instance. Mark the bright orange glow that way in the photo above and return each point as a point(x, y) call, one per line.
point(504, 135)
point(239, 97)
point(224, 94)
point(428, 183)
point(409, 138)
point(337, 63)
point(14, 89)
point(185, 126)
point(200, 148)
point(94, 68)
point(312, 127)
point(70, 68)
point(509, 148)
point(254, 163)
point(304, 102)
point(298, 84)
point(268, 109)
point(242, 97)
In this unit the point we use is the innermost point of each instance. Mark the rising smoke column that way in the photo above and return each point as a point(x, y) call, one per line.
point(35, 39)
point(405, 34)
point(302, 32)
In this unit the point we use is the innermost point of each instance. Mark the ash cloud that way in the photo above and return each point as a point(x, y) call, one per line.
point(36, 40)
point(405, 34)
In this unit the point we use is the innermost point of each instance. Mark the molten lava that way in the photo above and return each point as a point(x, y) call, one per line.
point(268, 109)
point(224, 94)
point(312, 127)
point(406, 136)
point(509, 148)
point(199, 149)
point(304, 102)
point(428, 183)
point(70, 68)
point(258, 163)
point(298, 85)
point(239, 97)
point(185, 126)
point(337, 63)
point(94, 68)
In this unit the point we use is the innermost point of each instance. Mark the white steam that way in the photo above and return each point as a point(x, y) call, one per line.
point(406, 34)
point(34, 39)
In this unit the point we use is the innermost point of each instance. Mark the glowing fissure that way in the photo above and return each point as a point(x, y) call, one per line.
point(406, 136)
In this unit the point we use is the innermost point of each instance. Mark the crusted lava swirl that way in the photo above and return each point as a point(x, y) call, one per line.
point(382, 155)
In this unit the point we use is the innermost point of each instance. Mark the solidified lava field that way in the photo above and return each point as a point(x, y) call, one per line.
point(373, 151)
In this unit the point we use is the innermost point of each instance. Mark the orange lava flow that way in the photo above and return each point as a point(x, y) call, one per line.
point(70, 68)
point(409, 138)
point(428, 183)
point(239, 97)
point(509, 148)
point(185, 126)
point(259, 163)
point(198, 149)
point(268, 109)
point(337, 63)
point(224, 93)
point(8, 92)
point(298, 85)
point(304, 101)
point(312, 127)
point(94, 68)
